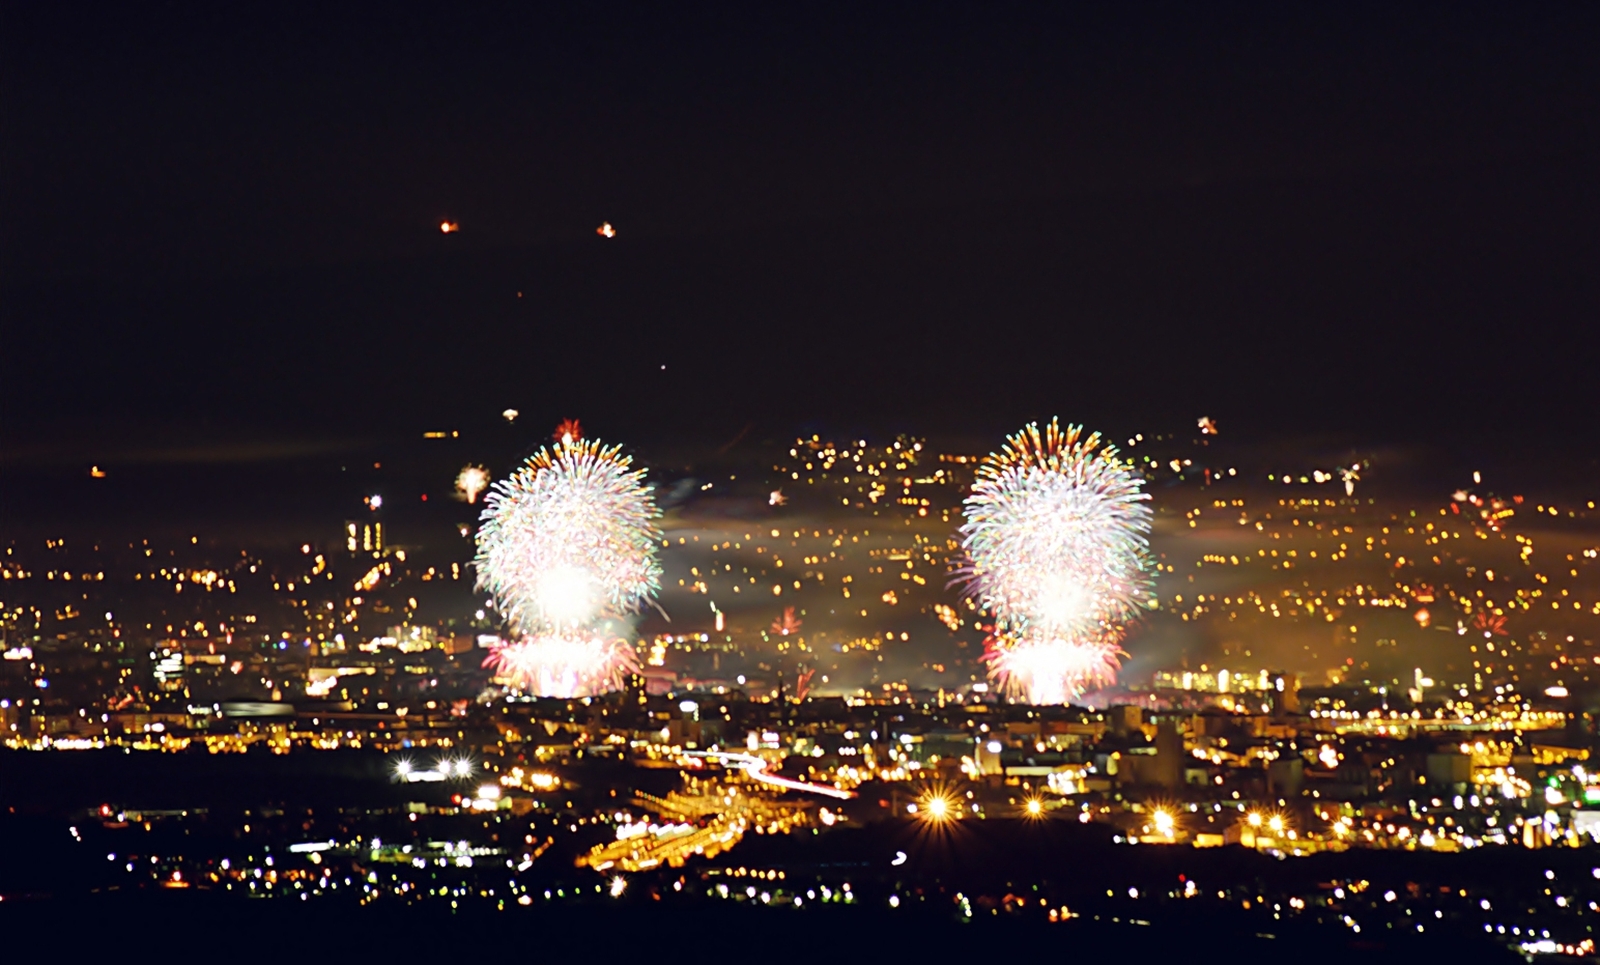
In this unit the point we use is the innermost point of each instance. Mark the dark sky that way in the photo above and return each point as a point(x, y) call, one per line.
point(219, 223)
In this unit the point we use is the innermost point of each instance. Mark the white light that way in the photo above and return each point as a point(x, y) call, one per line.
point(567, 595)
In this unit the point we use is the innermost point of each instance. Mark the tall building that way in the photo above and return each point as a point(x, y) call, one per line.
point(363, 537)
point(1284, 694)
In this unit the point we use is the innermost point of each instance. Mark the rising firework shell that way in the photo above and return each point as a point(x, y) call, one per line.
point(569, 539)
point(1057, 550)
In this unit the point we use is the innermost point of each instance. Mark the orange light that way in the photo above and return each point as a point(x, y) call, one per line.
point(449, 227)
point(937, 806)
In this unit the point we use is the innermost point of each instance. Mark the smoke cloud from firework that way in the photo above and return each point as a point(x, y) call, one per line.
point(567, 548)
point(1057, 551)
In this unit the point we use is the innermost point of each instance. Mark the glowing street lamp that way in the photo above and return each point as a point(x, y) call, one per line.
point(1164, 822)
point(937, 807)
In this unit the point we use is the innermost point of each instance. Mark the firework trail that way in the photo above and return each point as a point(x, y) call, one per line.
point(471, 481)
point(1055, 537)
point(568, 544)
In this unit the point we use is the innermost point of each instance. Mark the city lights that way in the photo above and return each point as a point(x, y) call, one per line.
point(1233, 748)
point(924, 611)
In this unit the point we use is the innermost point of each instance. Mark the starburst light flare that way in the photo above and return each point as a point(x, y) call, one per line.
point(1056, 542)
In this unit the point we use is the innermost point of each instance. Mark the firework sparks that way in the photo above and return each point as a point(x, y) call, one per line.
point(564, 665)
point(1055, 537)
point(788, 623)
point(567, 544)
point(1351, 476)
point(569, 538)
point(1489, 626)
point(1052, 670)
point(471, 481)
point(568, 432)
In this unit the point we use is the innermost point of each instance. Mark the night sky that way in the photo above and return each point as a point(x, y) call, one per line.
point(219, 226)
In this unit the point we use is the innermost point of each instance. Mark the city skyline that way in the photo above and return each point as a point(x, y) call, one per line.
point(884, 482)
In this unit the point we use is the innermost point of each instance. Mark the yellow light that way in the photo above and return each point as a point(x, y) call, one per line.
point(1254, 819)
point(1035, 807)
point(937, 805)
point(1164, 822)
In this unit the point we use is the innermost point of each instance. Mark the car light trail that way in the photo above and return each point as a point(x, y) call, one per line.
point(756, 768)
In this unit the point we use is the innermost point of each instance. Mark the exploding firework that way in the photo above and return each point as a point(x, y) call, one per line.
point(567, 544)
point(788, 623)
point(1055, 537)
point(1052, 670)
point(1490, 626)
point(569, 538)
point(568, 432)
point(471, 481)
point(565, 665)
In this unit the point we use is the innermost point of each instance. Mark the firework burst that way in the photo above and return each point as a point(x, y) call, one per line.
point(471, 481)
point(1052, 670)
point(1055, 537)
point(568, 432)
point(565, 665)
point(568, 544)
